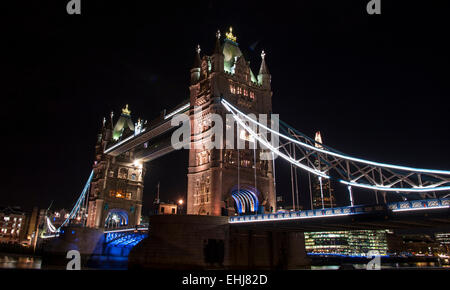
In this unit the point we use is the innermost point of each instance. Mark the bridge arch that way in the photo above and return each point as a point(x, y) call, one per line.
point(116, 218)
point(246, 199)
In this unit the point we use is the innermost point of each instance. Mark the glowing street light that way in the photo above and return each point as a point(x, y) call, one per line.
point(180, 205)
point(137, 163)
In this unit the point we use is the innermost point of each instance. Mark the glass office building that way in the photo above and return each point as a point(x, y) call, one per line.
point(348, 243)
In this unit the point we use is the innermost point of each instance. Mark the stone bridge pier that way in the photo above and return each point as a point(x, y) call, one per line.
point(210, 242)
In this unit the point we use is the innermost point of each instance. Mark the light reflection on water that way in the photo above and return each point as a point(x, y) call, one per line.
point(417, 265)
point(10, 261)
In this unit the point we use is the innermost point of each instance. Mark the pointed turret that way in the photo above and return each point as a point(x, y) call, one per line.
point(264, 75)
point(217, 58)
point(107, 128)
point(263, 70)
point(195, 71)
point(198, 59)
point(101, 134)
point(217, 47)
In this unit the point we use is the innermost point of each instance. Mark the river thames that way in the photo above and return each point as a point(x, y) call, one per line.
point(17, 261)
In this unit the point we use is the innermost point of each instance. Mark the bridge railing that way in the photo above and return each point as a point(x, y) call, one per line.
point(345, 211)
point(419, 204)
point(126, 229)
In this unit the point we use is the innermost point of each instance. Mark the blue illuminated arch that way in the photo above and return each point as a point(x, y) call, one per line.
point(116, 218)
point(246, 199)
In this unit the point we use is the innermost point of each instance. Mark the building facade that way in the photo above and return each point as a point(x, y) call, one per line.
point(12, 225)
point(227, 181)
point(18, 226)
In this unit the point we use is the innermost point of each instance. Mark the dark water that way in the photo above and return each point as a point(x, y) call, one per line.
point(12, 261)
point(17, 261)
point(400, 266)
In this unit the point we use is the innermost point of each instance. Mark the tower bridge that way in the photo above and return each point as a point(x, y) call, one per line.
point(123, 147)
point(238, 186)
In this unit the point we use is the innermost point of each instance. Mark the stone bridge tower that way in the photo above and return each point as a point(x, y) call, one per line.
point(115, 197)
point(228, 181)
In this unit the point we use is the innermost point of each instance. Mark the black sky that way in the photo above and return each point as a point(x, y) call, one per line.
point(375, 86)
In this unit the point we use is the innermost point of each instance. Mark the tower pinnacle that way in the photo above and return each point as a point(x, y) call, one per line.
point(125, 110)
point(197, 60)
point(217, 46)
point(229, 35)
point(263, 70)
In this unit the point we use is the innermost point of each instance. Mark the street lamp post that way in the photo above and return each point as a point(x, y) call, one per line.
point(180, 205)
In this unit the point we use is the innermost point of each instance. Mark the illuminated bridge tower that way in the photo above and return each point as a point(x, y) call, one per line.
point(115, 197)
point(228, 181)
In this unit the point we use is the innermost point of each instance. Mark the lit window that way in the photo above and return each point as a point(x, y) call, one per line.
point(6, 218)
point(245, 92)
point(232, 89)
point(252, 95)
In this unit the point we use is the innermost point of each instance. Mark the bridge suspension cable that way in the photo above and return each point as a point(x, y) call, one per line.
point(348, 170)
point(76, 208)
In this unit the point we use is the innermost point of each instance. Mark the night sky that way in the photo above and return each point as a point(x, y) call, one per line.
point(375, 86)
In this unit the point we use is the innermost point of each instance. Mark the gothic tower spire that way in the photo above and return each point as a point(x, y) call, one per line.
point(217, 57)
point(195, 71)
point(263, 70)
point(217, 46)
point(264, 75)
